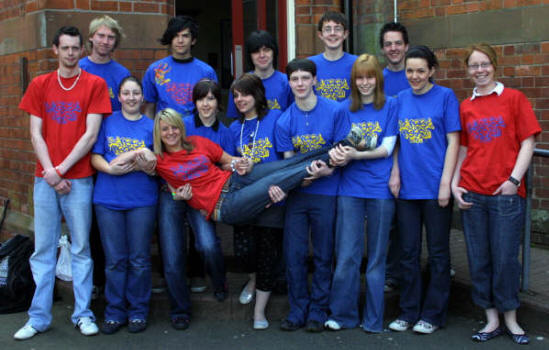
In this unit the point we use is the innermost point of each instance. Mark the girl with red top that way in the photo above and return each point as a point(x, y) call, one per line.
point(236, 191)
point(497, 144)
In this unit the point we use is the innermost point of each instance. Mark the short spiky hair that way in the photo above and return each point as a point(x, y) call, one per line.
point(177, 24)
point(66, 30)
point(336, 17)
point(257, 40)
point(108, 22)
point(393, 27)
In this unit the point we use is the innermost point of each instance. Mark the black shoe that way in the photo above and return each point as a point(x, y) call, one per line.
point(289, 326)
point(180, 323)
point(221, 294)
point(137, 326)
point(111, 327)
point(314, 326)
point(360, 142)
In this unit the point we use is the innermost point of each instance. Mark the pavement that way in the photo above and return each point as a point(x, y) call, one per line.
point(227, 325)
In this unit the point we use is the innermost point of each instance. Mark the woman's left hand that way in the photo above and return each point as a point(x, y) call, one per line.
point(341, 155)
point(184, 193)
point(506, 188)
point(444, 195)
point(277, 195)
point(243, 166)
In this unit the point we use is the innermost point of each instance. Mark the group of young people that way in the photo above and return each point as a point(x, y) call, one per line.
point(318, 156)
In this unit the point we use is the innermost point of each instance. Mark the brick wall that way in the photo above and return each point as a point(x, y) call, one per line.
point(17, 159)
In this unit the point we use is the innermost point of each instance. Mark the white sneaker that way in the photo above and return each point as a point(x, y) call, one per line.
point(399, 325)
point(26, 332)
point(87, 326)
point(332, 325)
point(424, 327)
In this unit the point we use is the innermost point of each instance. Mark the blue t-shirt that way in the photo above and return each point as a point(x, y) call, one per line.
point(394, 82)
point(170, 83)
point(217, 133)
point(301, 131)
point(112, 72)
point(333, 77)
point(423, 122)
point(264, 149)
point(370, 178)
point(133, 190)
point(277, 91)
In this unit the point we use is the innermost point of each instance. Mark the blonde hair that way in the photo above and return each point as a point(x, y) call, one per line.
point(485, 49)
point(172, 117)
point(108, 22)
point(366, 66)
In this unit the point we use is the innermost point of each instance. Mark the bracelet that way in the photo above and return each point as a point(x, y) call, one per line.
point(58, 172)
point(233, 168)
point(514, 181)
point(173, 195)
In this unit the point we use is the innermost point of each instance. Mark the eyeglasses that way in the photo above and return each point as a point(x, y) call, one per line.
point(336, 29)
point(476, 66)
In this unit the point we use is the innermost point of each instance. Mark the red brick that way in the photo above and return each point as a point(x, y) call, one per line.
point(59, 4)
point(145, 7)
point(509, 71)
point(104, 5)
point(82, 4)
point(528, 82)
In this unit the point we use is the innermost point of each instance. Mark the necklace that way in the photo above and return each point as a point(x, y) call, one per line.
point(73, 84)
point(253, 138)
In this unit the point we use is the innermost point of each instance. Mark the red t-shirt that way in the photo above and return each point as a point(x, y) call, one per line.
point(493, 129)
point(64, 113)
point(198, 168)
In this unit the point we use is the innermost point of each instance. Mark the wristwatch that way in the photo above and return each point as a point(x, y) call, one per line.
point(514, 181)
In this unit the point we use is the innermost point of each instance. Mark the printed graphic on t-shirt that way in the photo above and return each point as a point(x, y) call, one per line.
point(486, 129)
point(306, 143)
point(273, 104)
point(191, 169)
point(63, 112)
point(111, 94)
point(119, 145)
point(369, 128)
point(261, 150)
point(333, 89)
point(160, 73)
point(416, 130)
point(180, 93)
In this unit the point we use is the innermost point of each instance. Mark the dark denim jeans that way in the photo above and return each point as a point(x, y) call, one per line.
point(349, 249)
point(315, 214)
point(248, 195)
point(411, 215)
point(492, 228)
point(126, 238)
point(173, 243)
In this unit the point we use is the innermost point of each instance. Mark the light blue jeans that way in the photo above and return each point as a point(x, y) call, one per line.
point(49, 207)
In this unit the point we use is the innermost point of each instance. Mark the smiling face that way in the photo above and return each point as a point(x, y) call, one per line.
point(103, 41)
point(245, 104)
point(418, 74)
point(366, 87)
point(207, 107)
point(394, 48)
point(170, 136)
point(69, 51)
point(182, 44)
point(333, 35)
point(262, 59)
point(481, 70)
point(301, 83)
point(131, 97)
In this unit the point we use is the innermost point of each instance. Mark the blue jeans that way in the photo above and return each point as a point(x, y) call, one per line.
point(492, 228)
point(411, 215)
point(249, 194)
point(49, 207)
point(317, 213)
point(126, 238)
point(173, 244)
point(349, 249)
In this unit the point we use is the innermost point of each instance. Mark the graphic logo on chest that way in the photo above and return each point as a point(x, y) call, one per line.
point(486, 129)
point(63, 112)
point(333, 89)
point(416, 130)
point(191, 169)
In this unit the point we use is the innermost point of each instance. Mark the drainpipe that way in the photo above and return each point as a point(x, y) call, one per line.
point(395, 7)
point(348, 12)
